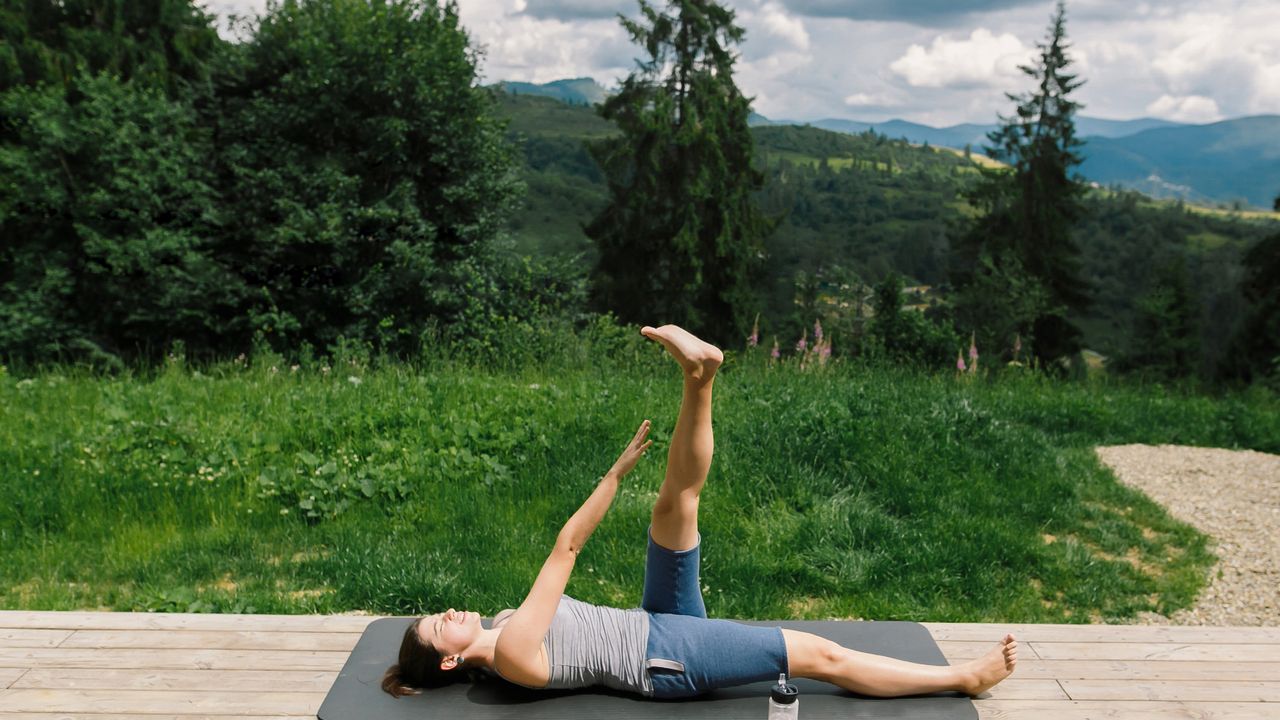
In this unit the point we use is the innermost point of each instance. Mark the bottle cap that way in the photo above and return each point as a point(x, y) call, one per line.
point(785, 693)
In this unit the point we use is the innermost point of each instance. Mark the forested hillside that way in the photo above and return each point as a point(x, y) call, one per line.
point(857, 207)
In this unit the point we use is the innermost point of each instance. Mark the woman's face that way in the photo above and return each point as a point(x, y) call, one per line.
point(450, 632)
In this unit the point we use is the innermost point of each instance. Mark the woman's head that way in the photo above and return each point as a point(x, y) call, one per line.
point(431, 653)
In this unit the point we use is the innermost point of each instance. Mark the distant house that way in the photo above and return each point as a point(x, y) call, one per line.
point(919, 297)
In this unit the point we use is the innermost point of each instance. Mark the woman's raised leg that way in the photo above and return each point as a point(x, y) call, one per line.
point(816, 658)
point(675, 514)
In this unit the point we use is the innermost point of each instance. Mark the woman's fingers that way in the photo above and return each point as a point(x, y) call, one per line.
point(641, 432)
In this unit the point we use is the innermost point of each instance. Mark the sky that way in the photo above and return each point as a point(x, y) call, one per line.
point(936, 62)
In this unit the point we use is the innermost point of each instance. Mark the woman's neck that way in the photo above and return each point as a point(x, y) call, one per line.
point(480, 652)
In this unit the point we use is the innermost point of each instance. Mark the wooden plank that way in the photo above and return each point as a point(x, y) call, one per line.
point(181, 621)
point(14, 637)
point(151, 702)
point(1153, 670)
point(172, 659)
point(225, 680)
point(212, 640)
point(1028, 689)
point(1180, 691)
point(966, 650)
point(1116, 710)
point(992, 632)
point(8, 676)
point(1225, 652)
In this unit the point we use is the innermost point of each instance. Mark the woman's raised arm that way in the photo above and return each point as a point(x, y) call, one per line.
point(518, 655)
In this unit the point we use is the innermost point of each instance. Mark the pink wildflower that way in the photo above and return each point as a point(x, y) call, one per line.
point(775, 353)
point(973, 349)
point(754, 340)
point(804, 342)
point(817, 332)
point(824, 351)
point(959, 361)
point(1017, 345)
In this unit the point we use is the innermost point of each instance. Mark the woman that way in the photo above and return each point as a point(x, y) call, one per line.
point(667, 648)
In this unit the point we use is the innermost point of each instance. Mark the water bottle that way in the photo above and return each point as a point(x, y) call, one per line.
point(784, 700)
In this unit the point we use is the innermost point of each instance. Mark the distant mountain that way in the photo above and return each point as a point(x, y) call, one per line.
point(1233, 160)
point(1229, 160)
point(974, 135)
point(576, 91)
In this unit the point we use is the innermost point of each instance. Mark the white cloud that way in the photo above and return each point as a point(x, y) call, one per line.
point(1233, 59)
point(1189, 108)
point(775, 21)
point(1181, 59)
point(862, 99)
point(981, 59)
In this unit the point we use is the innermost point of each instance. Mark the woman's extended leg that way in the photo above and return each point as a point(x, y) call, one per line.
point(816, 658)
point(675, 514)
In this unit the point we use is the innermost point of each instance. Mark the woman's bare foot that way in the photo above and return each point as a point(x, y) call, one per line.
point(984, 672)
point(698, 359)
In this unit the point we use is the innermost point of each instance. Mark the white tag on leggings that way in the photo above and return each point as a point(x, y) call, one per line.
point(664, 664)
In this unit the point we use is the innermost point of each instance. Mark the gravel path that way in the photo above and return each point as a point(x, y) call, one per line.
point(1234, 497)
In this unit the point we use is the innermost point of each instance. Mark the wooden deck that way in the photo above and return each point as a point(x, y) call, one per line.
point(104, 666)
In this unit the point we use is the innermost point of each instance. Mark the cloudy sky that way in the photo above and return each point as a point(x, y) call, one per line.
point(938, 62)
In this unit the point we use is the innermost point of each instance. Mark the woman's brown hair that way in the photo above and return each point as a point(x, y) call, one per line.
point(419, 667)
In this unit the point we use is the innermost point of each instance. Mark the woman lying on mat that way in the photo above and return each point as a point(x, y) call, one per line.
point(667, 648)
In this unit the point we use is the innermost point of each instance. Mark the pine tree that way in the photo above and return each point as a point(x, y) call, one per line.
point(1030, 208)
point(1166, 333)
point(681, 239)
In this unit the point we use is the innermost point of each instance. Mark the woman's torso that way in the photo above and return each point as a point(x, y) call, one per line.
point(590, 645)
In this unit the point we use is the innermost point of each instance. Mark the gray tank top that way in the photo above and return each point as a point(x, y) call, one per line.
point(591, 645)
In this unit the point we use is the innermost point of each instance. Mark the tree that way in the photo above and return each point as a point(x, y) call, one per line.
point(369, 171)
point(108, 213)
point(1028, 210)
point(1165, 342)
point(1255, 350)
point(905, 335)
point(156, 42)
point(681, 239)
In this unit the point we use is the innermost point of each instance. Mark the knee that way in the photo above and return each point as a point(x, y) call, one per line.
point(812, 656)
point(831, 654)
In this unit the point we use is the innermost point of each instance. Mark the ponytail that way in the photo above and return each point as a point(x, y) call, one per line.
point(393, 683)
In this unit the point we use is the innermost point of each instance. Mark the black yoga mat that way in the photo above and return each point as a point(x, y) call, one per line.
point(357, 694)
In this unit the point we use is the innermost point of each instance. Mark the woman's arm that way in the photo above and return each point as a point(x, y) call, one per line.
point(518, 655)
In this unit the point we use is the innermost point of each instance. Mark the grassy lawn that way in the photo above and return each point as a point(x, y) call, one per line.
point(844, 491)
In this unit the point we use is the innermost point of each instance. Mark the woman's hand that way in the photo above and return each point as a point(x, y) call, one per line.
point(629, 457)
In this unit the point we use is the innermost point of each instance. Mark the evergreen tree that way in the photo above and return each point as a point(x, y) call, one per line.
point(1029, 209)
point(156, 42)
point(681, 239)
point(1255, 351)
point(1165, 341)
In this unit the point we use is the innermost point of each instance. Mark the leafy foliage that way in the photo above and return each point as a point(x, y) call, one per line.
point(908, 336)
point(108, 215)
point(338, 177)
point(1165, 332)
point(369, 175)
point(1256, 347)
point(160, 43)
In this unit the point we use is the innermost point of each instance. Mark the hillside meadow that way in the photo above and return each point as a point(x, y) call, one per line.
point(843, 490)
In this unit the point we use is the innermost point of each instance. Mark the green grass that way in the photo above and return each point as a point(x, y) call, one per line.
point(844, 491)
